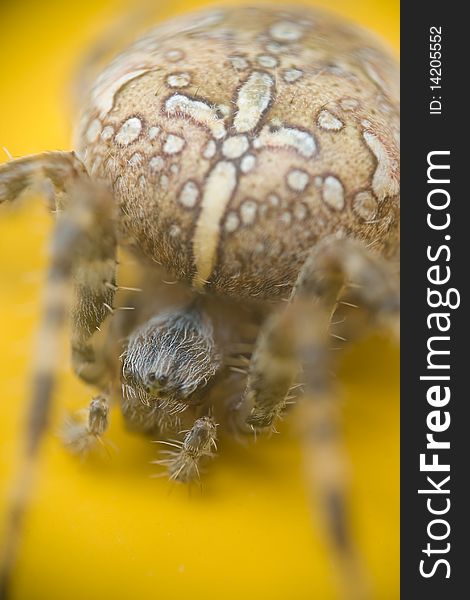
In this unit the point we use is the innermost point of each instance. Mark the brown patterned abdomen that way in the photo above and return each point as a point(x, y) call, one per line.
point(235, 139)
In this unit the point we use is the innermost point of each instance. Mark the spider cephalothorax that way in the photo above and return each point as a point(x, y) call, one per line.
point(170, 358)
point(252, 153)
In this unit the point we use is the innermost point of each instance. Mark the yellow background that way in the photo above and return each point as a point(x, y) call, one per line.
point(102, 528)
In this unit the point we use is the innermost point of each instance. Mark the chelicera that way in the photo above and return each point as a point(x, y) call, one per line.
point(251, 154)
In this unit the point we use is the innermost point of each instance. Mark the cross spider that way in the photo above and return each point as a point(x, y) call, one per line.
point(252, 155)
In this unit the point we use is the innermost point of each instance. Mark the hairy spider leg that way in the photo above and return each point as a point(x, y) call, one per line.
point(298, 337)
point(83, 250)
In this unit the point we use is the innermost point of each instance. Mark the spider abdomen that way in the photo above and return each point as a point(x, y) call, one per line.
point(236, 139)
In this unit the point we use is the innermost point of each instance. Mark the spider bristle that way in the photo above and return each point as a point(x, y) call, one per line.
point(338, 337)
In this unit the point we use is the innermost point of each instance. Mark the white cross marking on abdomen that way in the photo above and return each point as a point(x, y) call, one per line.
point(254, 98)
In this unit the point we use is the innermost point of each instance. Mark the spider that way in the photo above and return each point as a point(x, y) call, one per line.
point(250, 155)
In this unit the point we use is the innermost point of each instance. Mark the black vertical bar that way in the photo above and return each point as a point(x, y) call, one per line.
point(424, 131)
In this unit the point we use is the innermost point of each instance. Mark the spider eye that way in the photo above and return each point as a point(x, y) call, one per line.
point(153, 380)
point(162, 380)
